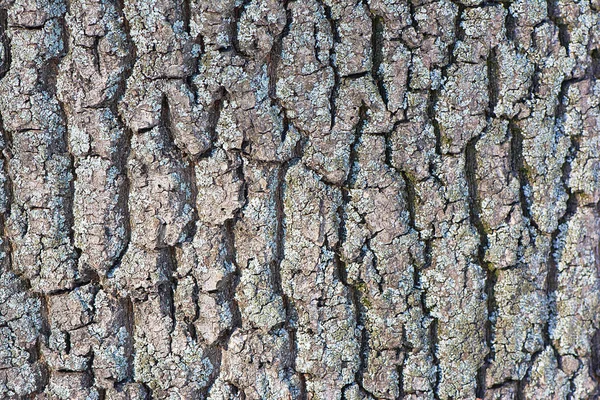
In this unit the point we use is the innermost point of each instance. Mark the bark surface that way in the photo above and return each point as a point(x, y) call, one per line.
point(299, 199)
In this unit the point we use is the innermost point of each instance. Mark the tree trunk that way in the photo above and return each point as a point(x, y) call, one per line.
point(303, 199)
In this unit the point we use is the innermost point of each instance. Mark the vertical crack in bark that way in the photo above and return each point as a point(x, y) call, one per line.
point(237, 15)
point(400, 371)
point(336, 74)
point(377, 52)
point(595, 357)
point(96, 54)
point(433, 340)
point(519, 169)
point(275, 56)
point(230, 289)
point(563, 29)
point(411, 202)
point(435, 92)
point(214, 114)
point(556, 244)
point(595, 65)
point(5, 43)
point(47, 81)
point(510, 23)
point(42, 340)
point(189, 170)
point(280, 255)
point(186, 15)
point(493, 85)
point(431, 114)
point(459, 35)
point(123, 197)
point(166, 289)
point(127, 305)
point(49, 74)
point(125, 150)
point(477, 223)
point(355, 293)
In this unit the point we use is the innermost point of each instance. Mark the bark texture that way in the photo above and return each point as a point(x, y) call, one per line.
point(299, 199)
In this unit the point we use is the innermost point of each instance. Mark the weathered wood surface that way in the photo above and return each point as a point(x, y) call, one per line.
point(303, 199)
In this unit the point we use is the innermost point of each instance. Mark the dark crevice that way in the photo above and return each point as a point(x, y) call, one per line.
point(8, 187)
point(96, 54)
point(510, 23)
point(186, 15)
point(411, 202)
point(474, 204)
point(354, 293)
point(60, 145)
point(556, 242)
point(477, 223)
point(148, 391)
point(432, 327)
point(595, 69)
point(42, 341)
point(129, 318)
point(167, 288)
point(350, 177)
point(125, 146)
point(410, 199)
point(238, 11)
point(123, 199)
point(225, 294)
point(563, 29)
point(520, 171)
point(214, 113)
point(536, 77)
point(459, 35)
point(274, 56)
point(493, 71)
point(561, 105)
point(400, 371)
point(228, 291)
point(279, 256)
point(377, 49)
point(433, 343)
point(336, 74)
point(5, 43)
point(166, 124)
point(356, 75)
point(595, 357)
point(431, 113)
point(434, 94)
point(189, 171)
point(290, 311)
point(564, 37)
point(492, 310)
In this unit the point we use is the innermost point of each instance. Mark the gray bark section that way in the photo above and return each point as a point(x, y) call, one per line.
point(307, 199)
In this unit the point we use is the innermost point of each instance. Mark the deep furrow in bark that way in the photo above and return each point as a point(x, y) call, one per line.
point(355, 294)
point(377, 54)
point(476, 222)
point(333, 109)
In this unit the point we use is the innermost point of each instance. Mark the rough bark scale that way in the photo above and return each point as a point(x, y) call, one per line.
point(303, 199)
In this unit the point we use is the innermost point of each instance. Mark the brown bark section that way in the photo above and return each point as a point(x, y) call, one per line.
point(299, 199)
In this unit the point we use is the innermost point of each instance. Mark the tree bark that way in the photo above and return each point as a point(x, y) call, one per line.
point(300, 199)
